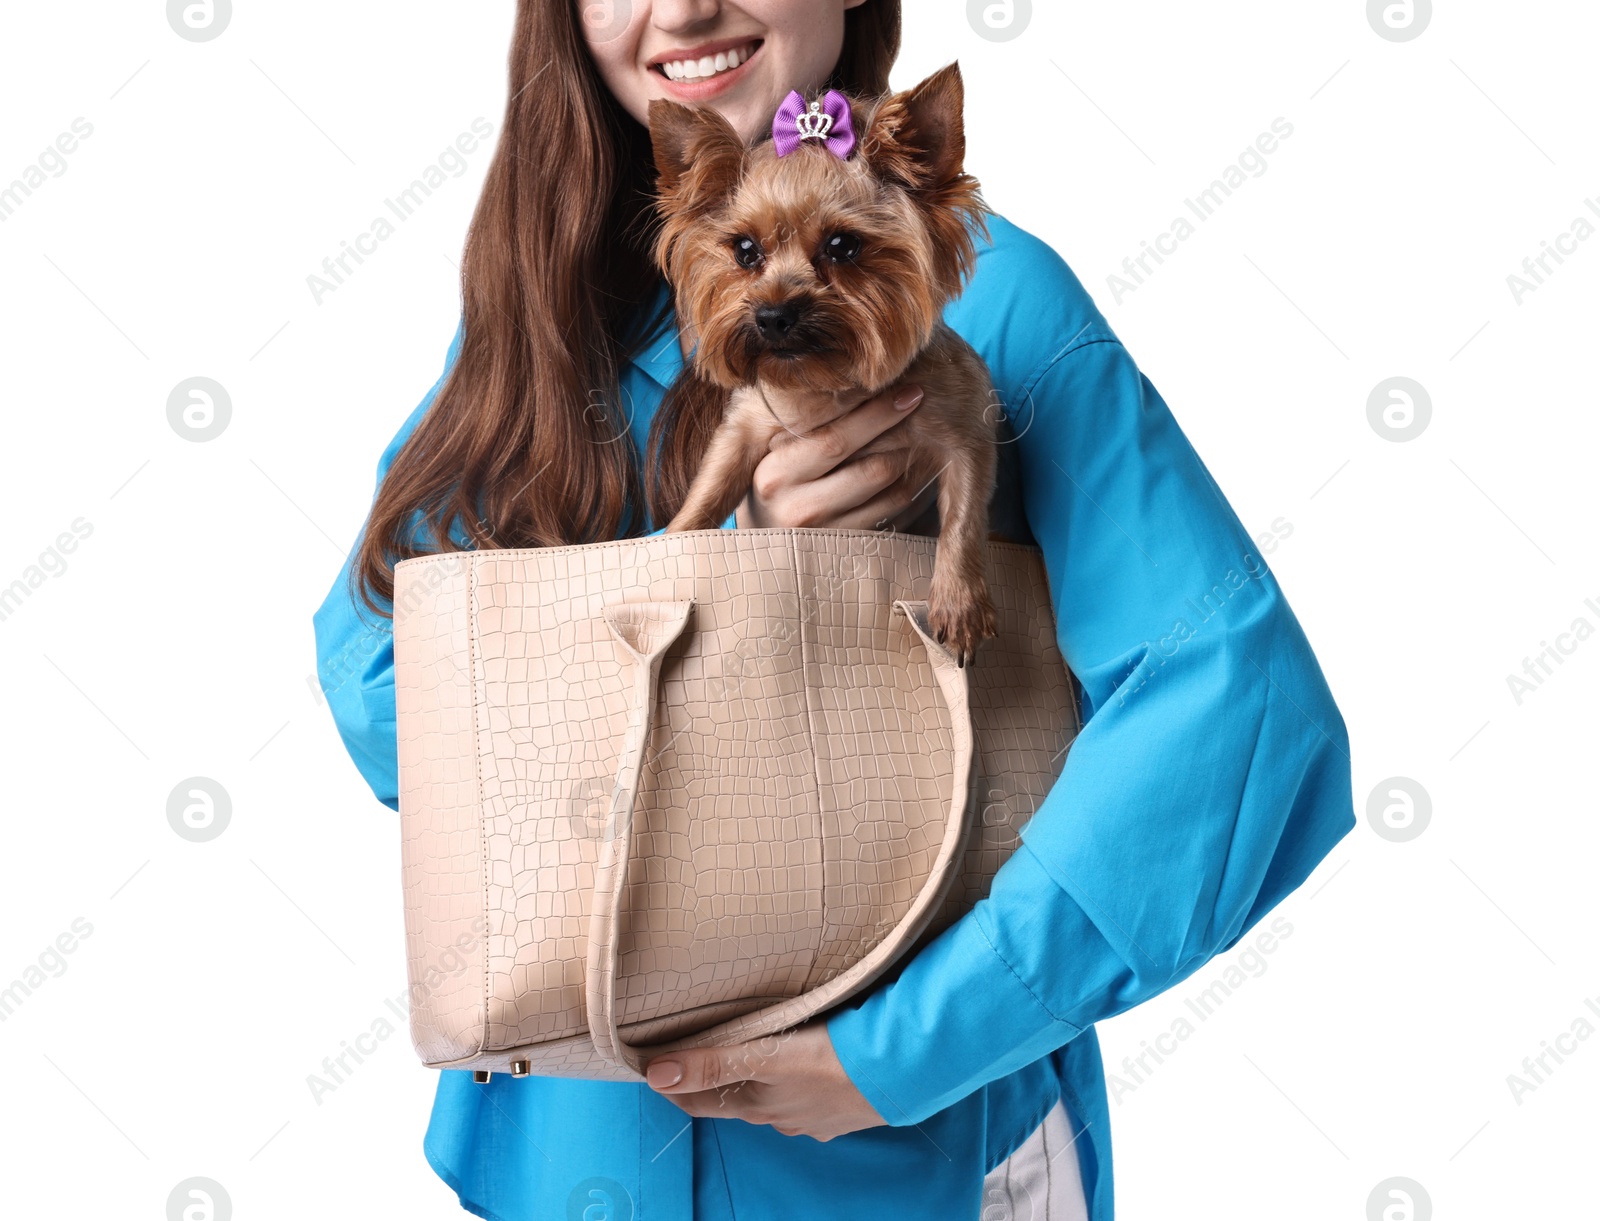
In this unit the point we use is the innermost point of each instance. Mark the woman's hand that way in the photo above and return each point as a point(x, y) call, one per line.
point(820, 479)
point(792, 1081)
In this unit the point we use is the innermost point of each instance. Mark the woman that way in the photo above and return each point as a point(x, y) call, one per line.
point(1211, 776)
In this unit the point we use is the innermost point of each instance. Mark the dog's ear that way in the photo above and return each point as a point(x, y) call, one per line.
point(699, 156)
point(917, 138)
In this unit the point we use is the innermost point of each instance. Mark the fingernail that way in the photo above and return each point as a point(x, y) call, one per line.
point(907, 398)
point(661, 1073)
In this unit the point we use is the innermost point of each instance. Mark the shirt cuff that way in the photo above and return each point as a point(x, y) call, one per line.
point(962, 1013)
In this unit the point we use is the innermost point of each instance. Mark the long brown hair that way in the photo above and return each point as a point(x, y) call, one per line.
point(525, 444)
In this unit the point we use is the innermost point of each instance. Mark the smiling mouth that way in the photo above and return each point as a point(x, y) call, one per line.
point(707, 67)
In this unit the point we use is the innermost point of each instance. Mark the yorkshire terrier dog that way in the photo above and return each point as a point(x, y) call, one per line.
point(818, 265)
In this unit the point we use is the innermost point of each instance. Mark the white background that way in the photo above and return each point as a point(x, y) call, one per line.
point(177, 243)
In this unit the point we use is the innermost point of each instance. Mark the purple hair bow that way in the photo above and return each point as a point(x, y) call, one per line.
point(827, 121)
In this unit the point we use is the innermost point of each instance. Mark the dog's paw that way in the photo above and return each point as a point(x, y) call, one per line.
point(959, 617)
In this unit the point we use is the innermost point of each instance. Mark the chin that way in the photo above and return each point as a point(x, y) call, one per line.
point(746, 109)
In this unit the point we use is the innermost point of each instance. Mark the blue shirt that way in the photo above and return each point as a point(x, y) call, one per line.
point(1211, 776)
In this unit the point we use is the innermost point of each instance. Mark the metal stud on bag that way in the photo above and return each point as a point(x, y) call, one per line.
point(520, 1068)
point(481, 1076)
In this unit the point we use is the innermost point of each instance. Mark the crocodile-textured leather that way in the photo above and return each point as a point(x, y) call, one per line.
point(696, 788)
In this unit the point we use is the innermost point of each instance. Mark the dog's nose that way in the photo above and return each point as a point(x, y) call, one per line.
point(776, 321)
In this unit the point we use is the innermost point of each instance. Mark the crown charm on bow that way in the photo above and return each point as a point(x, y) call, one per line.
point(827, 120)
point(814, 125)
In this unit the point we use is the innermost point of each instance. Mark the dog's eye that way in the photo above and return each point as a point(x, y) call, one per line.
point(841, 247)
point(746, 251)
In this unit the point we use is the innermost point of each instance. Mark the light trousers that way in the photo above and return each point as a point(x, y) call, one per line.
point(1041, 1180)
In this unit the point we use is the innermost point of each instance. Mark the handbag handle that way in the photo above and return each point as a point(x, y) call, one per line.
point(646, 630)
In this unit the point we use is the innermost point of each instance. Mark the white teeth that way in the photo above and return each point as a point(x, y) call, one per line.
point(709, 65)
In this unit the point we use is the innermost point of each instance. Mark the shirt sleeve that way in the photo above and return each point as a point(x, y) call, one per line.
point(1211, 776)
point(355, 648)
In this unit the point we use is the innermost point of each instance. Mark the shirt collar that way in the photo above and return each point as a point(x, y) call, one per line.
point(658, 356)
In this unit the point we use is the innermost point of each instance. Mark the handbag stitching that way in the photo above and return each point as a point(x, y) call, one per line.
point(816, 769)
point(723, 535)
point(1042, 574)
point(477, 766)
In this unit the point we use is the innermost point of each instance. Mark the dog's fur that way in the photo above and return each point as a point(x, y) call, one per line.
point(861, 325)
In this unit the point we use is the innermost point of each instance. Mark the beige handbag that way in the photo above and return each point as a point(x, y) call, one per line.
point(694, 789)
